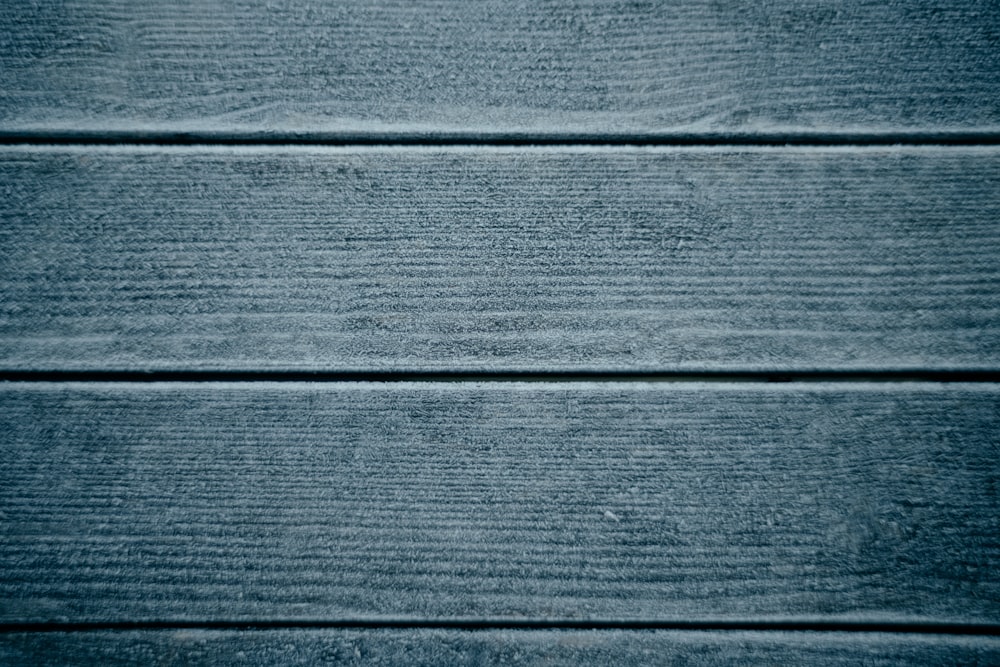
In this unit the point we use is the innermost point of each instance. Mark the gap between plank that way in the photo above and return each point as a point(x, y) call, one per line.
point(486, 139)
point(923, 628)
point(615, 376)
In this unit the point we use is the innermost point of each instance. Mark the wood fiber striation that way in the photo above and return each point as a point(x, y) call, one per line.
point(506, 260)
point(260, 501)
point(433, 67)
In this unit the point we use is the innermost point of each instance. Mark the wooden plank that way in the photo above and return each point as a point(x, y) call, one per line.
point(403, 259)
point(571, 500)
point(506, 647)
point(438, 66)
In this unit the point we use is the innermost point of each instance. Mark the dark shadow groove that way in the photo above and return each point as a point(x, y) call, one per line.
point(486, 139)
point(734, 376)
point(471, 624)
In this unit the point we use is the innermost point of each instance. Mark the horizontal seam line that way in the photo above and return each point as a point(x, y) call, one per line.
point(978, 629)
point(194, 138)
point(859, 376)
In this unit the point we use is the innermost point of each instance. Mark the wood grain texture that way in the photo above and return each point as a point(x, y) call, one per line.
point(632, 501)
point(451, 647)
point(439, 66)
point(371, 259)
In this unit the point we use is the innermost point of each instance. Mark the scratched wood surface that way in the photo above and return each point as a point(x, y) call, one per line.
point(538, 259)
point(432, 67)
point(496, 647)
point(430, 500)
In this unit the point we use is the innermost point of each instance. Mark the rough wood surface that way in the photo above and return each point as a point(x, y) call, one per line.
point(500, 647)
point(647, 501)
point(499, 259)
point(436, 66)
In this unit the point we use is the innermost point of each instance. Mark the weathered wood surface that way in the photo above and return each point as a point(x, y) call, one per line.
point(644, 501)
point(437, 66)
point(499, 647)
point(402, 259)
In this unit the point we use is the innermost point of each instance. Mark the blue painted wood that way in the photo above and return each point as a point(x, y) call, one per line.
point(257, 501)
point(453, 647)
point(434, 67)
point(645, 501)
point(506, 259)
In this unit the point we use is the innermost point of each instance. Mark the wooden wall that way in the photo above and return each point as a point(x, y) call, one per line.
point(448, 332)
